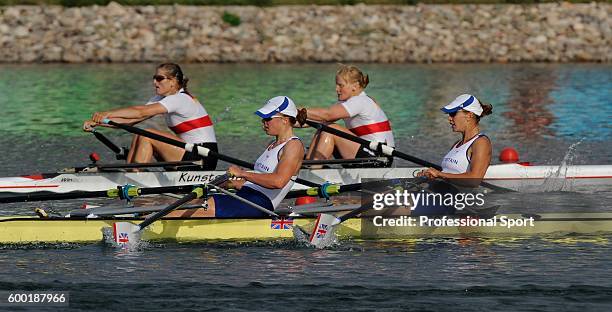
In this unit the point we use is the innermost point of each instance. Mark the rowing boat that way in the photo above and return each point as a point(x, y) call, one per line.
point(519, 177)
point(19, 230)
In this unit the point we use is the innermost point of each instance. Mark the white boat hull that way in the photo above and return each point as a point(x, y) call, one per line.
point(585, 178)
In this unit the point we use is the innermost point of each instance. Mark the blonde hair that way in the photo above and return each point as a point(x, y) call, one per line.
point(351, 74)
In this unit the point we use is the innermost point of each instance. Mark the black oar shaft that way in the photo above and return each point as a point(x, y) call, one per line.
point(183, 145)
point(107, 142)
point(54, 196)
point(158, 215)
point(365, 142)
point(92, 194)
point(195, 193)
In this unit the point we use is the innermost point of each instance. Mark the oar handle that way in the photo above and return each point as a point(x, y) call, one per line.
point(202, 151)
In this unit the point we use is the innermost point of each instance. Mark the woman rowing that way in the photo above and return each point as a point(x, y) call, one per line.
point(275, 170)
point(184, 114)
point(467, 161)
point(362, 116)
point(470, 157)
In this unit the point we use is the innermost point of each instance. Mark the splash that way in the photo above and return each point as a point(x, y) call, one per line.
point(302, 237)
point(556, 180)
point(131, 246)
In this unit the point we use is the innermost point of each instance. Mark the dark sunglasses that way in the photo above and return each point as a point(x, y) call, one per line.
point(159, 78)
point(453, 114)
point(270, 118)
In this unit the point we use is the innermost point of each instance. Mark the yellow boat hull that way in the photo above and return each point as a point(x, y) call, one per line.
point(14, 230)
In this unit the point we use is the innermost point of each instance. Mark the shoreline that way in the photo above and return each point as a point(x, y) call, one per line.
point(550, 32)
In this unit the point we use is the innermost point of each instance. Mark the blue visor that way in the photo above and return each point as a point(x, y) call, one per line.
point(273, 111)
point(454, 107)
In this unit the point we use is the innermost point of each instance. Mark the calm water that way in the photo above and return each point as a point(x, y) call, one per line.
point(541, 109)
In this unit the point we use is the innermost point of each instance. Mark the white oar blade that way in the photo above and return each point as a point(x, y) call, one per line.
point(323, 234)
point(126, 235)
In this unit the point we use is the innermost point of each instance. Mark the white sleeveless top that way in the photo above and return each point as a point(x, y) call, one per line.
point(266, 163)
point(367, 120)
point(457, 160)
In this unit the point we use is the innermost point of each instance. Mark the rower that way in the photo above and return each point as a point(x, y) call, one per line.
point(362, 116)
point(275, 170)
point(469, 158)
point(184, 115)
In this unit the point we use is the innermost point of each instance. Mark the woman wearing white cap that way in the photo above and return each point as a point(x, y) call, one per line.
point(275, 170)
point(362, 116)
point(469, 158)
point(185, 116)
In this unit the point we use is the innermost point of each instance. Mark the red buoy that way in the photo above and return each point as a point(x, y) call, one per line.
point(304, 200)
point(94, 157)
point(509, 155)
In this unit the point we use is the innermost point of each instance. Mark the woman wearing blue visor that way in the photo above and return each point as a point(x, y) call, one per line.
point(468, 159)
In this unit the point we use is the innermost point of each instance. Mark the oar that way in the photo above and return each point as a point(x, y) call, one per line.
point(390, 151)
point(120, 152)
point(123, 192)
point(127, 234)
point(202, 151)
point(330, 189)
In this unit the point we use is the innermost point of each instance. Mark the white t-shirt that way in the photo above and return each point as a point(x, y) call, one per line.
point(187, 117)
point(367, 120)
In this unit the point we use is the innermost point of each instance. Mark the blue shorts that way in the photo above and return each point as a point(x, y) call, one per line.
point(230, 207)
point(436, 208)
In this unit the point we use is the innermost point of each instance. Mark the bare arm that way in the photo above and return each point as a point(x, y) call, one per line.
point(288, 166)
point(132, 114)
point(331, 114)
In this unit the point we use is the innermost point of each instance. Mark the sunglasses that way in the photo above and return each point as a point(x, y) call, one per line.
point(453, 114)
point(160, 78)
point(264, 120)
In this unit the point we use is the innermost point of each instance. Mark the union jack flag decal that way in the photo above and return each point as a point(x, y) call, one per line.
point(321, 231)
point(123, 238)
point(282, 224)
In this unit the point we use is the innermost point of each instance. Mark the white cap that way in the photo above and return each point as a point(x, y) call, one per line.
point(277, 104)
point(466, 102)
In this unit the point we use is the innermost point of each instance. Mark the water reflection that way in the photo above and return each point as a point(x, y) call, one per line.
point(529, 101)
